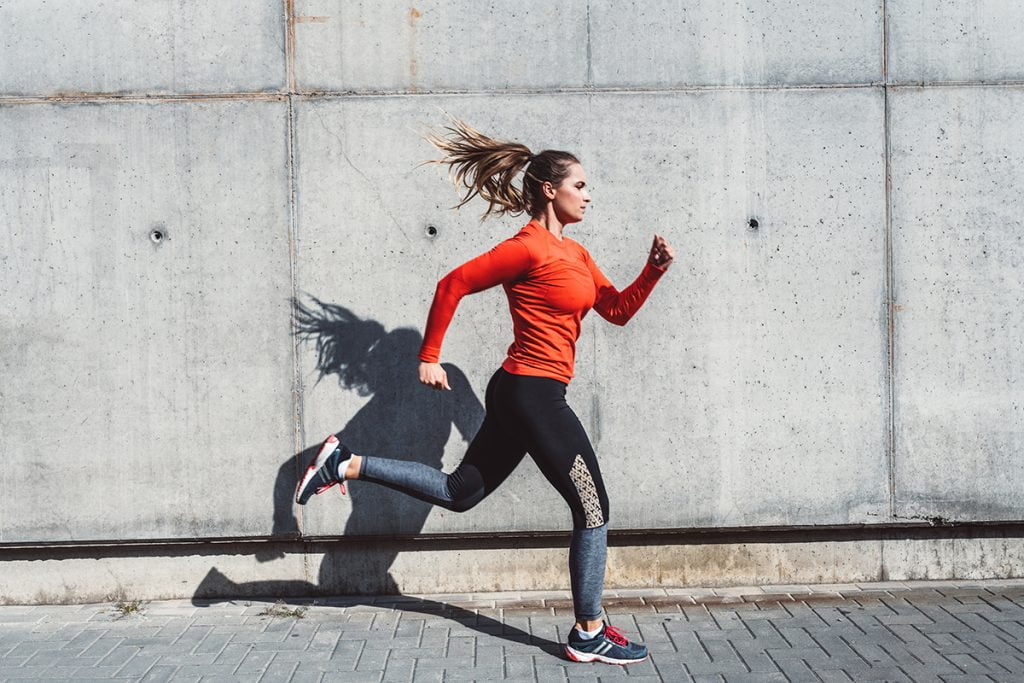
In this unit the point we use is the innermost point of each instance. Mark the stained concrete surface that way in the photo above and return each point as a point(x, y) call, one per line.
point(957, 245)
point(147, 379)
point(364, 565)
point(388, 45)
point(427, 46)
point(947, 40)
point(141, 46)
point(666, 43)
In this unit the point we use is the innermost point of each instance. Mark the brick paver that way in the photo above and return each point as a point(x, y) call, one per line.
point(892, 631)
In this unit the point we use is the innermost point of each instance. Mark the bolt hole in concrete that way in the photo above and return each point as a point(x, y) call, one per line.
point(753, 223)
point(157, 236)
point(431, 231)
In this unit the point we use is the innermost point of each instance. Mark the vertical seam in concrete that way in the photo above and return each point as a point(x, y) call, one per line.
point(297, 388)
point(590, 68)
point(885, 42)
point(889, 274)
point(298, 428)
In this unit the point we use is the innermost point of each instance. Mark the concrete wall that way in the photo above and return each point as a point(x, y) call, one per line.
point(172, 175)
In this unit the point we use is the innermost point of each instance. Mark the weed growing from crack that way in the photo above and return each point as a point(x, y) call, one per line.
point(125, 608)
point(282, 610)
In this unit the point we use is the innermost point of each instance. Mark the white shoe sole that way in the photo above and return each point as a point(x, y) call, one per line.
point(330, 443)
point(577, 656)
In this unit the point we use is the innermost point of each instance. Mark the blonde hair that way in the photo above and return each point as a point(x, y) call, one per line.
point(488, 167)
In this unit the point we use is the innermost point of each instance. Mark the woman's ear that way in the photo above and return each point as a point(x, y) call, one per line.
point(548, 189)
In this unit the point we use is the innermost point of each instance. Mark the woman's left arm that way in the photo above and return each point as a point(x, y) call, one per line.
point(618, 307)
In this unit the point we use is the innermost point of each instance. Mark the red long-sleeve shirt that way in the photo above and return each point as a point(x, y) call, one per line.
point(551, 284)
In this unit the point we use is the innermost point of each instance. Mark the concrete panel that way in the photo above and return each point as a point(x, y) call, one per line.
point(750, 391)
point(147, 383)
point(757, 42)
point(150, 46)
point(959, 556)
point(371, 567)
point(958, 244)
point(399, 45)
point(950, 40)
point(376, 568)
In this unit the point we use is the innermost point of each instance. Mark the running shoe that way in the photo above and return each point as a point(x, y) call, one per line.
point(322, 473)
point(609, 646)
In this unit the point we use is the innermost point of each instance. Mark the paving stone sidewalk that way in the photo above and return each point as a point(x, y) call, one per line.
point(892, 631)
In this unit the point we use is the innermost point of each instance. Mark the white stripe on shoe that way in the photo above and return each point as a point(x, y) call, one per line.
point(329, 446)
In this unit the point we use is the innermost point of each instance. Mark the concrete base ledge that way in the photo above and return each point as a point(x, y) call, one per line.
point(422, 565)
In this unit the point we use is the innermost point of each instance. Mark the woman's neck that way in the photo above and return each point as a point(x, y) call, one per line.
point(550, 222)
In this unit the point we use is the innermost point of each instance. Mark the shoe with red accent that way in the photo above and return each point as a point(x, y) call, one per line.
point(323, 472)
point(609, 646)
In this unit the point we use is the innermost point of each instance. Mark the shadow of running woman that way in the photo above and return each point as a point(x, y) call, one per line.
point(401, 420)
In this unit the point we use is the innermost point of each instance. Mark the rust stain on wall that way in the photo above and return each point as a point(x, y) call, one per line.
point(312, 20)
point(414, 67)
point(289, 6)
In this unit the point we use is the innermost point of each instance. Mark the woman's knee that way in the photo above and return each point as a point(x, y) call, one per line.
point(465, 489)
point(465, 503)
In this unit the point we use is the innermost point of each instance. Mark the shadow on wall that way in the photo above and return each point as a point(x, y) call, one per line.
point(402, 419)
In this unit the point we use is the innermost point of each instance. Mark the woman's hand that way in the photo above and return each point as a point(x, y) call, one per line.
point(433, 375)
point(662, 253)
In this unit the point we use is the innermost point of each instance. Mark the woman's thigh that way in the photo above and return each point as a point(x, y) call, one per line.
point(557, 442)
point(496, 450)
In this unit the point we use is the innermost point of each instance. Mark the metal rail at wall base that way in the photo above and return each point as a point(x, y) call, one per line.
point(913, 529)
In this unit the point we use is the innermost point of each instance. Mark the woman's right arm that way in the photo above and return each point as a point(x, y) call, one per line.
point(506, 262)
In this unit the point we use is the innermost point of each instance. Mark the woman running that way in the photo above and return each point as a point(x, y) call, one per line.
point(551, 283)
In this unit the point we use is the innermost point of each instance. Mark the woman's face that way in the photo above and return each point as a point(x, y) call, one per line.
point(571, 196)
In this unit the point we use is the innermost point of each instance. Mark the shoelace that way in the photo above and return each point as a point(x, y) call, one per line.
point(615, 635)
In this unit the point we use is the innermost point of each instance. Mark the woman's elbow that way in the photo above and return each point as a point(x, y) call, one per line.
point(445, 285)
point(619, 319)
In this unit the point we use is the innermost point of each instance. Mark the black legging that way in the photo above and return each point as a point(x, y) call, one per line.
point(524, 415)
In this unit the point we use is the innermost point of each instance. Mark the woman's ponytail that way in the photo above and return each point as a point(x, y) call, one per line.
point(487, 167)
point(484, 166)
